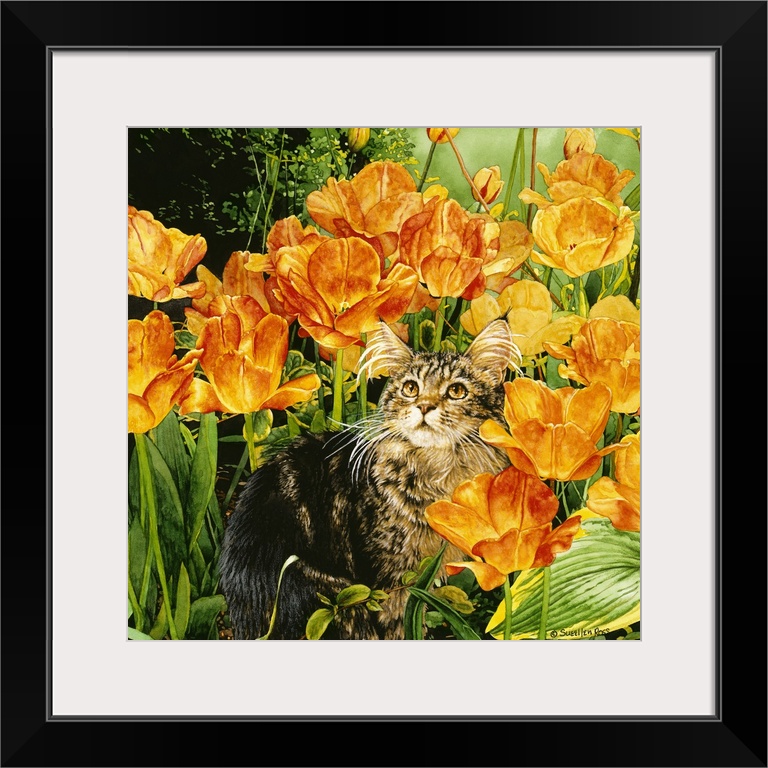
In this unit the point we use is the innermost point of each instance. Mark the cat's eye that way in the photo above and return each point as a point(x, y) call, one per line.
point(410, 389)
point(457, 391)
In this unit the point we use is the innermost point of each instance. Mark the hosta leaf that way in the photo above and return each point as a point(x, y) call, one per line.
point(594, 588)
point(134, 634)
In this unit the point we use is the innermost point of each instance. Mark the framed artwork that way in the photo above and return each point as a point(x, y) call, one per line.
point(390, 243)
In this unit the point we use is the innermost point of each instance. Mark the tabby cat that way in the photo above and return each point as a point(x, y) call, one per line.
point(350, 504)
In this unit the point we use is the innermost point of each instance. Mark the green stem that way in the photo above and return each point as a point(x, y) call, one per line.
point(460, 334)
point(362, 394)
point(339, 170)
point(544, 605)
point(318, 369)
point(507, 609)
point(414, 323)
point(582, 306)
point(338, 387)
point(533, 174)
point(146, 480)
point(235, 480)
point(138, 614)
point(268, 209)
point(439, 322)
point(513, 170)
point(426, 167)
point(249, 440)
point(619, 427)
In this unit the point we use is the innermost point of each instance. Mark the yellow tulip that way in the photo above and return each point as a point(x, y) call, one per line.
point(156, 379)
point(504, 523)
point(619, 500)
point(357, 138)
point(242, 354)
point(528, 308)
point(579, 140)
point(605, 351)
point(552, 433)
point(581, 235)
point(159, 259)
point(488, 184)
point(440, 135)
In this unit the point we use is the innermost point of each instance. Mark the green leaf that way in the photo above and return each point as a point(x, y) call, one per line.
point(202, 614)
point(203, 477)
point(262, 424)
point(434, 619)
point(318, 623)
point(357, 593)
point(594, 588)
point(170, 443)
point(379, 594)
point(318, 424)
point(414, 607)
point(372, 605)
point(170, 517)
point(325, 600)
point(456, 598)
point(460, 628)
point(138, 548)
point(134, 634)
point(134, 494)
point(185, 340)
point(232, 439)
point(160, 627)
point(632, 200)
point(183, 599)
point(426, 334)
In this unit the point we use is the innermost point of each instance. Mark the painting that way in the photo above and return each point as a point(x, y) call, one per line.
point(384, 383)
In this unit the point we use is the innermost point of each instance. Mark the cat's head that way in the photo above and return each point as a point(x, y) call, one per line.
point(439, 399)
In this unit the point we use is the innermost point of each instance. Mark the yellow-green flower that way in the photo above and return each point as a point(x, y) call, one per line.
point(578, 140)
point(488, 184)
point(440, 135)
point(357, 138)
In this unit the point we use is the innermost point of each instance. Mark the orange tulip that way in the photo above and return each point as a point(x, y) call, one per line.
point(159, 259)
point(440, 135)
point(504, 523)
point(619, 500)
point(236, 281)
point(242, 354)
point(552, 432)
point(488, 183)
point(606, 351)
point(449, 248)
point(337, 291)
point(156, 379)
point(372, 206)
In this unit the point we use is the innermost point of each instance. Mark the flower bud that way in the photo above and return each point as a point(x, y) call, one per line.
point(578, 140)
point(357, 138)
point(488, 183)
point(440, 135)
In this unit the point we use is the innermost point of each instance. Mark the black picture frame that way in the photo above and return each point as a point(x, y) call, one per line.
point(735, 736)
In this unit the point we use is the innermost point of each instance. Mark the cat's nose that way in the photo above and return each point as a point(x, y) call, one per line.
point(425, 408)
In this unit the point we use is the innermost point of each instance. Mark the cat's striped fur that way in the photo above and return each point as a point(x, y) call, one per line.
point(350, 504)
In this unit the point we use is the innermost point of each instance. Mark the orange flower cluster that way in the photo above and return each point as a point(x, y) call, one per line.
point(585, 225)
point(504, 523)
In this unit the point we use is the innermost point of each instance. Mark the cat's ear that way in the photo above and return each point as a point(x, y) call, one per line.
point(494, 350)
point(384, 352)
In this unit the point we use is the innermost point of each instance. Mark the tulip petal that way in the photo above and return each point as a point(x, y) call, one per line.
point(200, 398)
point(487, 576)
point(589, 409)
point(459, 524)
point(618, 502)
point(298, 390)
point(559, 540)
